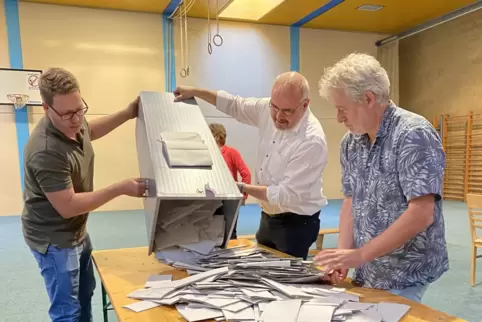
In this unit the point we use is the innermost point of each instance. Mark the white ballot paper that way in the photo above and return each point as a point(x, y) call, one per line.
point(248, 284)
point(157, 280)
point(141, 306)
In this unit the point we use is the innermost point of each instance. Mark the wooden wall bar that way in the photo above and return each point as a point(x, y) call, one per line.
point(462, 142)
point(474, 177)
point(454, 131)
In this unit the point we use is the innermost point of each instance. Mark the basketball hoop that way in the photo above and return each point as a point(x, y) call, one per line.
point(18, 100)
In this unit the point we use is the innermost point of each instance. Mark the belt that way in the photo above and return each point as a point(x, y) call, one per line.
point(282, 214)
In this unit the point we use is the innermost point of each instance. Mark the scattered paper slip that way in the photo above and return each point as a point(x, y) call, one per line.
point(157, 280)
point(141, 306)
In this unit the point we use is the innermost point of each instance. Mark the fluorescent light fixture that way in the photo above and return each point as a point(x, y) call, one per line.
point(370, 7)
point(115, 49)
point(249, 9)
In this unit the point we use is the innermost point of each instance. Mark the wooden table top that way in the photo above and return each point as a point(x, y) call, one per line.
point(125, 270)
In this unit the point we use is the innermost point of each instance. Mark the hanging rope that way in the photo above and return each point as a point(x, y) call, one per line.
point(217, 39)
point(210, 48)
point(178, 13)
point(181, 14)
point(187, 42)
point(183, 64)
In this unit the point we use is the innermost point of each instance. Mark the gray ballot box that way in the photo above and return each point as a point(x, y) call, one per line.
point(191, 195)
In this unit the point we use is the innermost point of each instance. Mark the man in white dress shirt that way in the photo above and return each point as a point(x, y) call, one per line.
point(292, 154)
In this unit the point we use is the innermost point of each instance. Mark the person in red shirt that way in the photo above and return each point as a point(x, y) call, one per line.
point(233, 160)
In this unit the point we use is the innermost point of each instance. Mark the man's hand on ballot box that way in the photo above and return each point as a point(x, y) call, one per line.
point(133, 108)
point(133, 187)
point(182, 93)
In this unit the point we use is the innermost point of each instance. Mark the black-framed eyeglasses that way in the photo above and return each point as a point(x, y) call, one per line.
point(69, 116)
point(286, 112)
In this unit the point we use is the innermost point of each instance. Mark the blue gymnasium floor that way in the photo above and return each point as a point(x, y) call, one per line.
point(23, 298)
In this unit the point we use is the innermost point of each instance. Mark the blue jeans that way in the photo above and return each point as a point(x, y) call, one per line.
point(414, 293)
point(69, 277)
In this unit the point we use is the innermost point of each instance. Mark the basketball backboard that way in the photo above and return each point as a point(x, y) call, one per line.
point(20, 81)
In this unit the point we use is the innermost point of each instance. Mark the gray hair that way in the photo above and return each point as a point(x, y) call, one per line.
point(293, 80)
point(357, 74)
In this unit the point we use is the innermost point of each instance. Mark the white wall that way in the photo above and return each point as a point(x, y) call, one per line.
point(246, 64)
point(115, 55)
point(318, 50)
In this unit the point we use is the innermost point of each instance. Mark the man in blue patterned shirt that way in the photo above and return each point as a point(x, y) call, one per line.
point(391, 222)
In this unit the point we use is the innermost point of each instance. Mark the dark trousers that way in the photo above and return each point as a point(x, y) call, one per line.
point(289, 233)
point(69, 278)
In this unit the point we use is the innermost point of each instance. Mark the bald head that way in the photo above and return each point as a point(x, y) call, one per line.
point(292, 83)
point(289, 99)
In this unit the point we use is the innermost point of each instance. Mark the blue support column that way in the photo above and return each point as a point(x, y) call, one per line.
point(16, 61)
point(295, 32)
point(295, 48)
point(168, 44)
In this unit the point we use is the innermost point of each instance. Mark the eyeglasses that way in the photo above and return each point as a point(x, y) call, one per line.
point(286, 112)
point(69, 116)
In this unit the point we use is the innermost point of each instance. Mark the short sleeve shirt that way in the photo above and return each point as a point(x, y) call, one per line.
point(53, 162)
point(405, 161)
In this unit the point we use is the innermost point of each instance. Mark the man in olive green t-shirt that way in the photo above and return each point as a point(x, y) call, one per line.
point(59, 193)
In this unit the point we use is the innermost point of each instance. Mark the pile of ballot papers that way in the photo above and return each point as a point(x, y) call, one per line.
point(247, 284)
point(250, 263)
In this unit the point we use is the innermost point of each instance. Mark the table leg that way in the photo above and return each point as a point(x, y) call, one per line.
point(105, 304)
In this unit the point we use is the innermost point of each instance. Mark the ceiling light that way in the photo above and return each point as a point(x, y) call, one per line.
point(248, 9)
point(370, 7)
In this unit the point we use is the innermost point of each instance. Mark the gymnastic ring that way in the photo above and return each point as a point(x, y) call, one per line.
point(218, 36)
point(187, 71)
point(210, 49)
point(183, 73)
